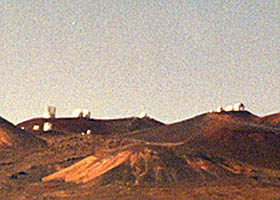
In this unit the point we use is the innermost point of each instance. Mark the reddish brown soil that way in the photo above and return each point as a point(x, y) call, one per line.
point(273, 119)
point(211, 156)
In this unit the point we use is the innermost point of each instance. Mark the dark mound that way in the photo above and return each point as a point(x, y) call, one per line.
point(95, 126)
point(235, 135)
point(12, 136)
point(125, 125)
point(207, 147)
point(64, 125)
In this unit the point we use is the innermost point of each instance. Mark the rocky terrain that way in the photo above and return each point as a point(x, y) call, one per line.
point(227, 155)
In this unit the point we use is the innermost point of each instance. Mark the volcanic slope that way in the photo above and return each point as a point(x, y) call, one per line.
point(236, 135)
point(273, 119)
point(62, 146)
point(207, 147)
point(13, 137)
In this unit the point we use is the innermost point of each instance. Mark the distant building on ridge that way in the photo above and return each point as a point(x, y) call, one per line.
point(81, 113)
point(49, 112)
point(235, 107)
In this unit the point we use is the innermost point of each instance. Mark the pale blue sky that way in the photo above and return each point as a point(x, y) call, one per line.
point(172, 59)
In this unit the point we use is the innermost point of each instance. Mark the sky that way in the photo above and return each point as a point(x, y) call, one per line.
point(171, 59)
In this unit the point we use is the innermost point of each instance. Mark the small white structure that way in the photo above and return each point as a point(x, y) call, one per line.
point(219, 109)
point(47, 126)
point(143, 115)
point(81, 113)
point(77, 112)
point(238, 107)
point(229, 108)
point(86, 113)
point(49, 112)
point(36, 127)
point(88, 132)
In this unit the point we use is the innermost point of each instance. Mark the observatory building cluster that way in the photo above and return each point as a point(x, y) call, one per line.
point(235, 107)
point(50, 114)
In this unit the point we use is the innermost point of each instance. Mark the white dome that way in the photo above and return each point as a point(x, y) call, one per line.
point(81, 113)
point(143, 115)
point(238, 107)
point(229, 108)
point(77, 112)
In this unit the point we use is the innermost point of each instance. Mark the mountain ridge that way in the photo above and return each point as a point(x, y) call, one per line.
point(209, 142)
